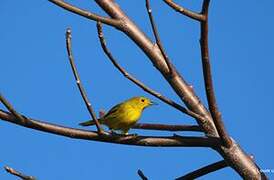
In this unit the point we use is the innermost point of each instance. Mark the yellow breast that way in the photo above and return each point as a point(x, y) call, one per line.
point(133, 115)
point(125, 117)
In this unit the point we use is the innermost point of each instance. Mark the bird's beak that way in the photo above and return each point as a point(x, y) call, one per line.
point(153, 103)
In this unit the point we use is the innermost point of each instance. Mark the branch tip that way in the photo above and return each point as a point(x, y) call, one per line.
point(78, 82)
point(141, 174)
point(18, 174)
point(86, 14)
point(158, 40)
point(184, 11)
point(204, 170)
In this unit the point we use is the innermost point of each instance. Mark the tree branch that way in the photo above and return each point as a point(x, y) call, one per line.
point(137, 82)
point(157, 38)
point(165, 127)
point(216, 115)
point(78, 82)
point(204, 170)
point(147, 141)
point(109, 21)
point(12, 110)
point(184, 11)
point(18, 174)
point(141, 174)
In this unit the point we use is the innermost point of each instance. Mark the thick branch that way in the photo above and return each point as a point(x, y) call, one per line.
point(18, 174)
point(184, 11)
point(157, 38)
point(241, 162)
point(78, 82)
point(87, 14)
point(204, 170)
point(216, 115)
point(137, 82)
point(166, 127)
point(156, 141)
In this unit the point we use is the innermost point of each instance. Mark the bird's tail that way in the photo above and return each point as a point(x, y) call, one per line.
point(90, 123)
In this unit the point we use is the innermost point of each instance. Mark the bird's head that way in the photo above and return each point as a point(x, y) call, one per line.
point(141, 102)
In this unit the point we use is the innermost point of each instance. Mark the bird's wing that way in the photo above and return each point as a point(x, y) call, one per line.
point(113, 110)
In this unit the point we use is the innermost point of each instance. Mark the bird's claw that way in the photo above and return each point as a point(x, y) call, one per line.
point(134, 135)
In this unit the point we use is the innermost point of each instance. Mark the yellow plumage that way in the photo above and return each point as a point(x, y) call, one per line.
point(124, 115)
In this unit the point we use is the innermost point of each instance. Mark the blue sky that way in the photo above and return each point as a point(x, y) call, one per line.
point(36, 78)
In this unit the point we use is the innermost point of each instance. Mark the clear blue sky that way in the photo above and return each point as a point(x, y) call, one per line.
point(36, 78)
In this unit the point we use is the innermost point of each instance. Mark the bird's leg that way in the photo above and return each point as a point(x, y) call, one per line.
point(125, 131)
point(112, 132)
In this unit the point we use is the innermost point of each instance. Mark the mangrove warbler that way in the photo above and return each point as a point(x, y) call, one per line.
point(124, 115)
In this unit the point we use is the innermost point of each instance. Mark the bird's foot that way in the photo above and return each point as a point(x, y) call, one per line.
point(113, 133)
point(134, 135)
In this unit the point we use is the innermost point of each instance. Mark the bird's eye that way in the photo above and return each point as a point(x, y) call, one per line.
point(142, 100)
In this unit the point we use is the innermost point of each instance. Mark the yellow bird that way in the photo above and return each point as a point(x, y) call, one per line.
point(124, 115)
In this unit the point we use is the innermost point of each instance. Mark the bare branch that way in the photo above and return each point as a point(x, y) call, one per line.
point(137, 82)
point(12, 110)
point(147, 141)
point(157, 38)
point(141, 174)
point(78, 82)
point(184, 11)
point(216, 115)
point(18, 174)
point(166, 127)
point(204, 170)
point(109, 21)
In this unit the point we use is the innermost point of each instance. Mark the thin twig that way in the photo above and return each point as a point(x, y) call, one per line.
point(140, 84)
point(158, 40)
point(141, 174)
point(166, 127)
point(12, 110)
point(147, 141)
point(112, 22)
point(184, 11)
point(18, 174)
point(204, 170)
point(216, 115)
point(78, 81)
